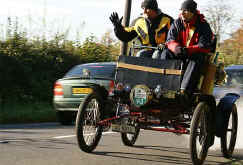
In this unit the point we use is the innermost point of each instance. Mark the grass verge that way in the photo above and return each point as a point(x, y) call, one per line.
point(27, 113)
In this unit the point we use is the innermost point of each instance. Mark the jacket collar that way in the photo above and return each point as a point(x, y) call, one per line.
point(197, 16)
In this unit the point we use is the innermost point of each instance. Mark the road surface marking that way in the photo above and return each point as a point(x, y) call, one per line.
point(69, 136)
point(61, 137)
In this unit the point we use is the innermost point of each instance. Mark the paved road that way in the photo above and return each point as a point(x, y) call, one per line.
point(53, 144)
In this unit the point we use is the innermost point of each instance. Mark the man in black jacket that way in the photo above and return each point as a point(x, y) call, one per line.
point(151, 29)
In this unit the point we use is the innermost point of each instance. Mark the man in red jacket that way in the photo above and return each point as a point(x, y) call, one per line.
point(189, 39)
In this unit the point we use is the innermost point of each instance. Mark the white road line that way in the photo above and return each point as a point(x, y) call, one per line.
point(61, 137)
point(69, 136)
point(110, 132)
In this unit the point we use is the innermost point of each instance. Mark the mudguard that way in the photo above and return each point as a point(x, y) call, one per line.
point(99, 89)
point(106, 104)
point(223, 110)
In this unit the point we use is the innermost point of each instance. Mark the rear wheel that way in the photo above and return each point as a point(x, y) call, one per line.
point(229, 138)
point(87, 130)
point(130, 139)
point(198, 137)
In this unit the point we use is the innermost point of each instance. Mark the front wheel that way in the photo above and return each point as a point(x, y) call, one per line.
point(199, 134)
point(88, 132)
point(229, 138)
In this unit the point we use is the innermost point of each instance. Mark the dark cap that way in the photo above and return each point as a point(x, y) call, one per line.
point(150, 4)
point(189, 5)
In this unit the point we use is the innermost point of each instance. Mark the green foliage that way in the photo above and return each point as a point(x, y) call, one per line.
point(93, 51)
point(29, 67)
point(27, 113)
point(232, 48)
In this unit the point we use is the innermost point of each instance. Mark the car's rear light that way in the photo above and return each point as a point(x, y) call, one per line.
point(111, 86)
point(58, 90)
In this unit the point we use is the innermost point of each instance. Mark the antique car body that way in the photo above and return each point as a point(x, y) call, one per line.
point(145, 96)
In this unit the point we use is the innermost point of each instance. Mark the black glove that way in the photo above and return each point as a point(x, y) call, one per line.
point(184, 51)
point(183, 55)
point(181, 52)
point(116, 21)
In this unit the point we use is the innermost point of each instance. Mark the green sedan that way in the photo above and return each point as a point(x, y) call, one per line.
point(71, 90)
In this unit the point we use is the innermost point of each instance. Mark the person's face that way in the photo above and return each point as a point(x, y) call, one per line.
point(187, 15)
point(149, 13)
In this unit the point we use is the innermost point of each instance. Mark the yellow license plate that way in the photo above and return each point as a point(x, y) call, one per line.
point(81, 90)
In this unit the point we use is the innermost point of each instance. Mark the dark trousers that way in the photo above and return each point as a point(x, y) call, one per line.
point(193, 67)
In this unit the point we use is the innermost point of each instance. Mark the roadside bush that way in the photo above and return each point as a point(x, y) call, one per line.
point(29, 68)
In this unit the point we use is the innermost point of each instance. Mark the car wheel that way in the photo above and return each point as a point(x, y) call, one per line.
point(65, 118)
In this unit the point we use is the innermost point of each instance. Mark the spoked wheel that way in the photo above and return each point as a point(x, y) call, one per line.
point(87, 131)
point(130, 139)
point(229, 138)
point(198, 137)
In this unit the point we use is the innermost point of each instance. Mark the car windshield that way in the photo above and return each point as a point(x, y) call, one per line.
point(234, 77)
point(96, 70)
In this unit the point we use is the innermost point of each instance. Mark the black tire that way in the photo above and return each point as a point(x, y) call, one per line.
point(198, 134)
point(228, 141)
point(130, 139)
point(87, 131)
point(65, 117)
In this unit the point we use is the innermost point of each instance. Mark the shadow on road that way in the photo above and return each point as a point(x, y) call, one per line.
point(52, 125)
point(173, 155)
point(37, 143)
point(237, 159)
point(147, 157)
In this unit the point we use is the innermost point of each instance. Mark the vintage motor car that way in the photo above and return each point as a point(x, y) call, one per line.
point(146, 94)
